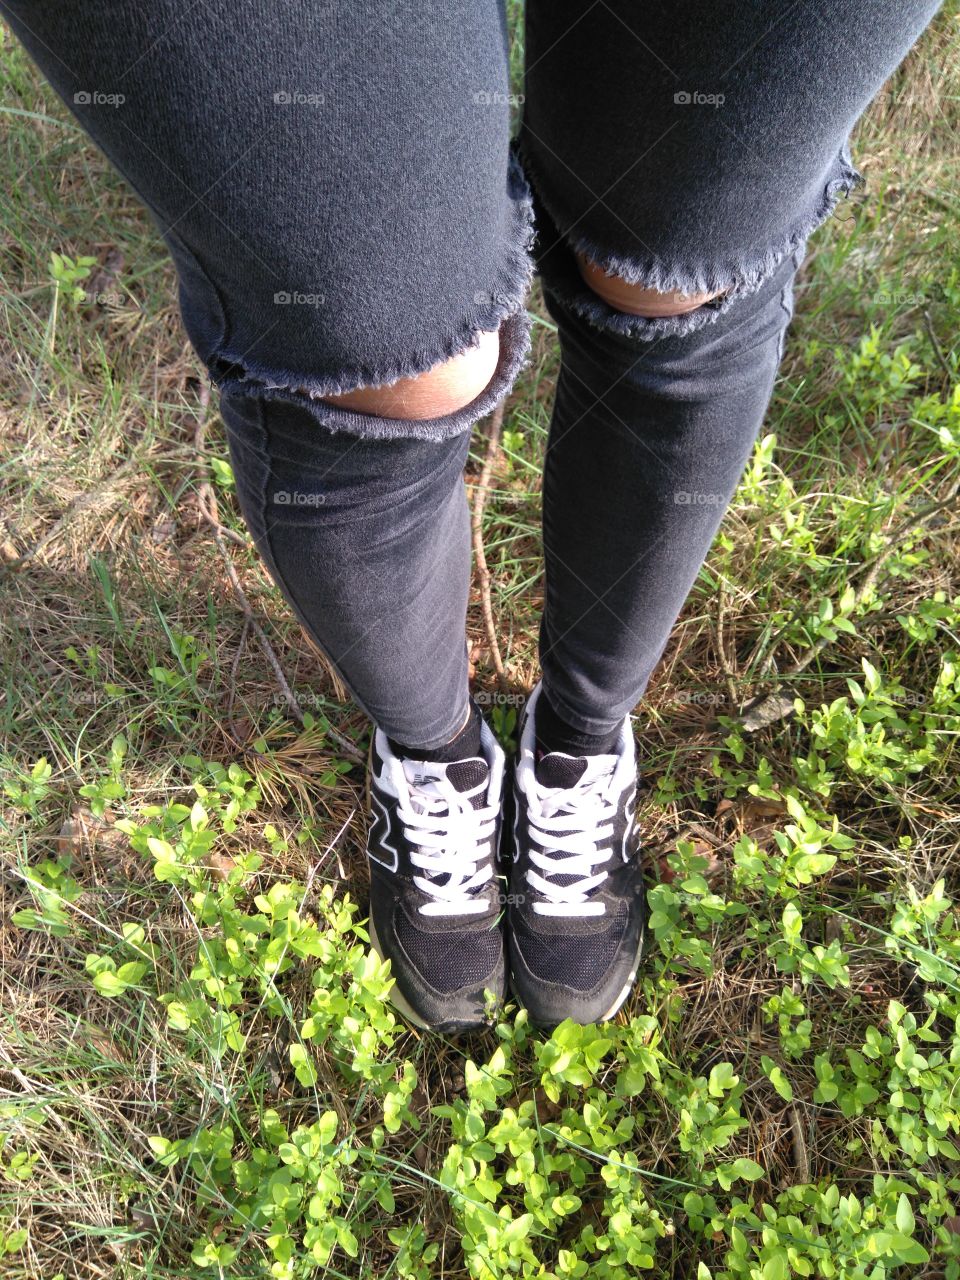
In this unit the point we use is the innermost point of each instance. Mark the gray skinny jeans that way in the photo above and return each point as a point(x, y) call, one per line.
point(343, 202)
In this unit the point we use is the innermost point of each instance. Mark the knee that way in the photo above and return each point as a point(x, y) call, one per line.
point(636, 299)
point(442, 390)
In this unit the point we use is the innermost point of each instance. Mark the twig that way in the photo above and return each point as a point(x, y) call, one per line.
point(212, 520)
point(726, 665)
point(346, 746)
point(800, 1156)
point(483, 572)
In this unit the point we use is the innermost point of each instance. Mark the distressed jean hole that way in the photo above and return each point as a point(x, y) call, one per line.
point(638, 299)
point(444, 389)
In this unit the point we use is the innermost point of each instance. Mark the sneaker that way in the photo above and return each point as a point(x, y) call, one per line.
point(576, 903)
point(434, 896)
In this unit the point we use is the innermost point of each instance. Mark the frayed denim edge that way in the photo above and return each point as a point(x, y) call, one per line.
point(567, 285)
point(504, 311)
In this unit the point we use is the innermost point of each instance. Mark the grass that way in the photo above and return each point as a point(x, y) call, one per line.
point(191, 1051)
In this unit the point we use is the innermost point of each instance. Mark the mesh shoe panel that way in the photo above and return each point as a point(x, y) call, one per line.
point(465, 774)
point(559, 770)
point(448, 961)
point(577, 962)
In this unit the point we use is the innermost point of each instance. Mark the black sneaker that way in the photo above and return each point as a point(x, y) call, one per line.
point(576, 903)
point(434, 896)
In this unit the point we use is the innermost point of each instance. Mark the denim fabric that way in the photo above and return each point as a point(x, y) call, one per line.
point(645, 451)
point(337, 189)
point(369, 539)
point(334, 181)
point(691, 146)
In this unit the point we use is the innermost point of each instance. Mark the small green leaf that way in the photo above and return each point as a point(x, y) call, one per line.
point(303, 1067)
point(178, 1017)
point(747, 1169)
point(905, 1218)
point(792, 921)
point(348, 1241)
point(161, 850)
point(722, 1079)
point(776, 1077)
point(15, 1240)
point(327, 1127)
point(131, 972)
point(775, 1268)
point(108, 984)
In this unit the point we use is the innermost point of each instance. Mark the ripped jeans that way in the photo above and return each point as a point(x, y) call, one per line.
point(338, 188)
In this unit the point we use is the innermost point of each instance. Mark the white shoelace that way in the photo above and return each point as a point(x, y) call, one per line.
point(449, 838)
point(571, 823)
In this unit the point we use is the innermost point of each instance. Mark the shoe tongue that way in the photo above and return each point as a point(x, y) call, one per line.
point(557, 772)
point(463, 775)
point(557, 769)
point(560, 770)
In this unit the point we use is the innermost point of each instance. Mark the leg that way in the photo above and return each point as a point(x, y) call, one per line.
point(351, 246)
point(679, 164)
point(677, 170)
point(369, 542)
point(645, 451)
point(351, 251)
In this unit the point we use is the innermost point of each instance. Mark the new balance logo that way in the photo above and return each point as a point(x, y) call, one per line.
point(628, 849)
point(379, 835)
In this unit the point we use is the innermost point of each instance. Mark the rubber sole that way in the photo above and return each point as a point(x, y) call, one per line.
point(396, 996)
point(631, 981)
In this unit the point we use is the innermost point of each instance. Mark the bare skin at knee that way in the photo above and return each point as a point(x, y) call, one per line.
point(443, 389)
point(635, 299)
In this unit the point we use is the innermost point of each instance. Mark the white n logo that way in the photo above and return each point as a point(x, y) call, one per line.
point(379, 835)
point(626, 851)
